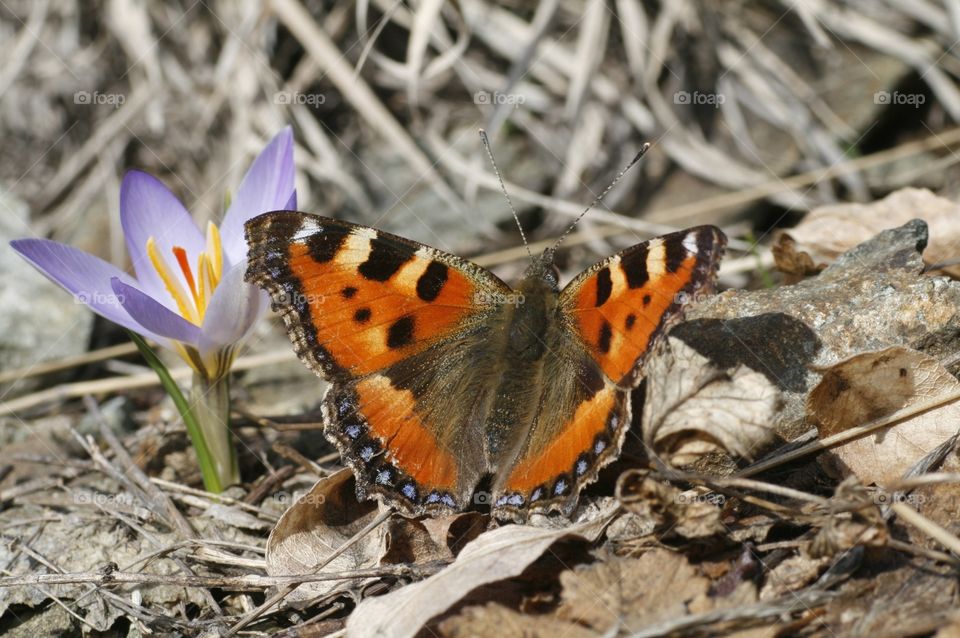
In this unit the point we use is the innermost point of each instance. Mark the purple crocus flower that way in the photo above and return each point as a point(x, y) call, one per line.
point(188, 292)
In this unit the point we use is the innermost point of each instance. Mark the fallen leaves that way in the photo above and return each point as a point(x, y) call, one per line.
point(627, 594)
point(694, 407)
point(873, 385)
point(318, 524)
point(496, 555)
point(828, 231)
point(671, 511)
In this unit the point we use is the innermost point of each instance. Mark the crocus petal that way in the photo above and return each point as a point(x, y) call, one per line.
point(149, 209)
point(233, 310)
point(86, 277)
point(292, 202)
point(153, 315)
point(268, 185)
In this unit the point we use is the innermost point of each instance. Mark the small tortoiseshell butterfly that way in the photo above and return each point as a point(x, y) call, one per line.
point(443, 377)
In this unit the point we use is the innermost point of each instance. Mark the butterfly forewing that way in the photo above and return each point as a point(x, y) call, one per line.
point(621, 305)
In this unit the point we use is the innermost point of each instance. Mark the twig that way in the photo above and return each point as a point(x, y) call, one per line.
point(145, 380)
point(269, 482)
point(850, 434)
point(314, 467)
point(925, 552)
point(112, 125)
point(931, 478)
point(156, 497)
point(935, 531)
point(248, 582)
point(66, 363)
point(319, 46)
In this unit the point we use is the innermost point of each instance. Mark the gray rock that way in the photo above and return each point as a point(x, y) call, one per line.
point(40, 321)
point(872, 297)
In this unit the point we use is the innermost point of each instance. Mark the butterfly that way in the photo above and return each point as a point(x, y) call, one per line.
point(450, 388)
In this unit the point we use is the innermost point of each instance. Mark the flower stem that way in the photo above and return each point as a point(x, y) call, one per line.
point(210, 402)
point(206, 419)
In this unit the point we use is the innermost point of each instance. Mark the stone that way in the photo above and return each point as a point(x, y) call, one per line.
point(40, 321)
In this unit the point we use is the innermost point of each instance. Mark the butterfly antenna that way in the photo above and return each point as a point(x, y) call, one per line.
point(598, 198)
point(516, 218)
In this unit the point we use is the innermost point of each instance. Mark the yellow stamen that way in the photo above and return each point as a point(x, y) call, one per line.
point(193, 300)
point(207, 280)
point(170, 282)
point(215, 251)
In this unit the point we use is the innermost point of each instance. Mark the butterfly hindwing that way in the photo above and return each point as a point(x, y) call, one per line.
point(578, 428)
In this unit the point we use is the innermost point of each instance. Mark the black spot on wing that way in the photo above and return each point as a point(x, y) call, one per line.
point(631, 319)
point(385, 259)
point(362, 315)
point(604, 286)
point(676, 252)
point(634, 265)
point(431, 281)
point(325, 243)
point(646, 300)
point(706, 238)
point(606, 334)
point(400, 332)
point(349, 292)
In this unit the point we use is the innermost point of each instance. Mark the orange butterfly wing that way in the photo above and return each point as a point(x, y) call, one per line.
point(360, 300)
point(621, 305)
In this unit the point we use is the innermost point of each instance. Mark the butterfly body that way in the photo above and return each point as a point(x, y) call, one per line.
point(444, 379)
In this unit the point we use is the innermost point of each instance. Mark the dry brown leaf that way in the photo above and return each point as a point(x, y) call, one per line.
point(630, 593)
point(873, 385)
point(672, 511)
point(496, 621)
point(828, 231)
point(792, 574)
point(495, 555)
point(851, 518)
point(418, 541)
point(693, 408)
point(317, 525)
point(792, 261)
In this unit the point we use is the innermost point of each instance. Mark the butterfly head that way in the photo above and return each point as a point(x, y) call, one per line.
point(544, 271)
